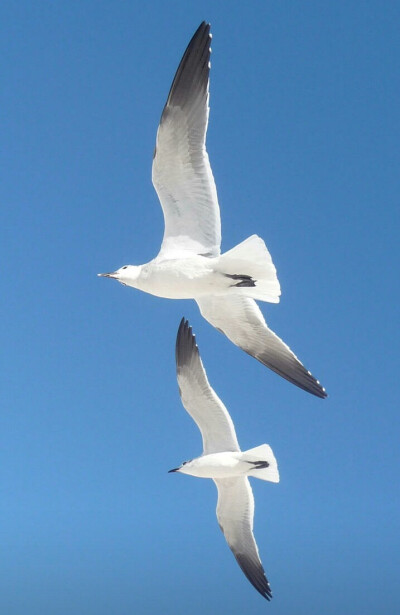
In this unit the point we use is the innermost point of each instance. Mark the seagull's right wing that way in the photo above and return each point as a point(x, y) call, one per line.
point(182, 174)
point(241, 320)
point(235, 513)
point(199, 399)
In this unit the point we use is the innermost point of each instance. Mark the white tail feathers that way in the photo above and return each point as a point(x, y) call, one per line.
point(251, 258)
point(262, 463)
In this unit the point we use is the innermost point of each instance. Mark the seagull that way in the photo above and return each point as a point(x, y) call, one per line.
point(190, 264)
point(222, 460)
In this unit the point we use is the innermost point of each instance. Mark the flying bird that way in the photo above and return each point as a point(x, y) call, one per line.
point(222, 460)
point(190, 264)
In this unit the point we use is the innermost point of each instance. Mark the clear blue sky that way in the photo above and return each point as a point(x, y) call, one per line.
point(304, 145)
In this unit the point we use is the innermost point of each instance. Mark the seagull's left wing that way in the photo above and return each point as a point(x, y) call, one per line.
point(199, 399)
point(182, 174)
point(235, 513)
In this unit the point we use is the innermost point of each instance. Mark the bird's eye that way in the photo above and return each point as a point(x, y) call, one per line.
point(126, 267)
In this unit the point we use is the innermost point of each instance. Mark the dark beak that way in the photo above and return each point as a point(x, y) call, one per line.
point(174, 470)
point(106, 275)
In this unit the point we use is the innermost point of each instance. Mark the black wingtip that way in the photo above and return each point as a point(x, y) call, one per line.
point(193, 71)
point(255, 573)
point(294, 372)
point(185, 344)
point(316, 388)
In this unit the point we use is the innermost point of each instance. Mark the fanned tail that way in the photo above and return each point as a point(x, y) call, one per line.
point(250, 267)
point(262, 463)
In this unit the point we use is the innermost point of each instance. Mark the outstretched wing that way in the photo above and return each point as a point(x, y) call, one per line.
point(182, 174)
point(235, 513)
point(242, 321)
point(199, 399)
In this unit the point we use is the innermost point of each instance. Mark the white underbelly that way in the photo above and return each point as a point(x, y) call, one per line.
point(218, 465)
point(186, 281)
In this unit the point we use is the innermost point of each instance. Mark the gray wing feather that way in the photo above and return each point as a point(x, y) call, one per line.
point(242, 321)
point(182, 174)
point(235, 513)
point(199, 399)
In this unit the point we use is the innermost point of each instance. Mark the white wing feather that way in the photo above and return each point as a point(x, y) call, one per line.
point(199, 399)
point(182, 174)
point(235, 514)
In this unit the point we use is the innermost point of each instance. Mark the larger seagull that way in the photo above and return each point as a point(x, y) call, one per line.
point(222, 459)
point(190, 264)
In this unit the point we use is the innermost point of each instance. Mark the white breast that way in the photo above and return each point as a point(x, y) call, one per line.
point(179, 279)
point(216, 465)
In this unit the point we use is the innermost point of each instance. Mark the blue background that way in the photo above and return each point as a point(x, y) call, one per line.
point(304, 145)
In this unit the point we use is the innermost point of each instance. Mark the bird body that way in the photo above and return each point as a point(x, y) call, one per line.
point(171, 278)
point(216, 465)
point(196, 276)
point(230, 464)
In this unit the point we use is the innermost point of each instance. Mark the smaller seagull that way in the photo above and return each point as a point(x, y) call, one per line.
point(222, 460)
point(189, 264)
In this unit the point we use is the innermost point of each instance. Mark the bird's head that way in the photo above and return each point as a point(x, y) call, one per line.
point(182, 468)
point(127, 274)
